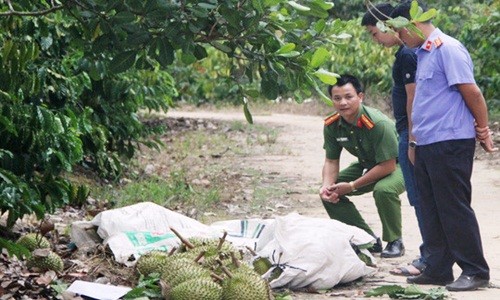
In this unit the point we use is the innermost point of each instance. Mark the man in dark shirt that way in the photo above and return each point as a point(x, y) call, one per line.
point(403, 89)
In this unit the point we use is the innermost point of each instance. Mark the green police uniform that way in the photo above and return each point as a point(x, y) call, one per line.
point(373, 139)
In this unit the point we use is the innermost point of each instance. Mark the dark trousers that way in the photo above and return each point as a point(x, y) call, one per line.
point(450, 229)
point(410, 185)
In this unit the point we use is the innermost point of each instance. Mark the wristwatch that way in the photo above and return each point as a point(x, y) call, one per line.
point(412, 144)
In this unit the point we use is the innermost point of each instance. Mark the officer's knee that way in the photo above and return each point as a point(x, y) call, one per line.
point(381, 194)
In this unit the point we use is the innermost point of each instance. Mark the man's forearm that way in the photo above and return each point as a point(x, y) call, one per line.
point(330, 172)
point(376, 173)
point(474, 100)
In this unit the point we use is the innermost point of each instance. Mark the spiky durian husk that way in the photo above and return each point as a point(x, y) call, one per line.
point(33, 241)
point(187, 272)
point(261, 265)
point(51, 261)
point(245, 286)
point(199, 288)
point(151, 262)
point(172, 267)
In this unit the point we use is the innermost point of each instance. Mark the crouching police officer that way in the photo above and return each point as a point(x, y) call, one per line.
point(370, 136)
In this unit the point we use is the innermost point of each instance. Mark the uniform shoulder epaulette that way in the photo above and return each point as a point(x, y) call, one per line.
point(366, 121)
point(333, 118)
point(428, 45)
point(438, 42)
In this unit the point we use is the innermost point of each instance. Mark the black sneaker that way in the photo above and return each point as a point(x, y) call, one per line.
point(377, 247)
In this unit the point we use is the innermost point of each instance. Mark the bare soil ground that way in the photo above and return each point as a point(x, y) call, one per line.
point(300, 169)
point(286, 170)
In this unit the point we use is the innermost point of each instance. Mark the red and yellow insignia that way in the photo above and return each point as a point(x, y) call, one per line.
point(428, 46)
point(438, 42)
point(366, 121)
point(332, 119)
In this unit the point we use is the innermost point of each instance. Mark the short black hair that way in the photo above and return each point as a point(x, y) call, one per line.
point(345, 79)
point(403, 9)
point(378, 12)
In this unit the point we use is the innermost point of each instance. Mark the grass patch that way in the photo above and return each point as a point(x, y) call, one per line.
point(168, 192)
point(205, 168)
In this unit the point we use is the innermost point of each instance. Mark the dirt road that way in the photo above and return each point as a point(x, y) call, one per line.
point(303, 136)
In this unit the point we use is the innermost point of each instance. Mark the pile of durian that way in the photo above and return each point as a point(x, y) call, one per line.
point(42, 257)
point(207, 269)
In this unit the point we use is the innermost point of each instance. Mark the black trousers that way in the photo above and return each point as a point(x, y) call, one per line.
point(450, 230)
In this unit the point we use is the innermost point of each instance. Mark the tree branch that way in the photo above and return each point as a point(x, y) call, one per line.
point(13, 12)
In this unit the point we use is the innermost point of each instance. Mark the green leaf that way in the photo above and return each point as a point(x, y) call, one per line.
point(323, 96)
point(8, 125)
point(413, 290)
point(399, 22)
point(188, 57)
point(133, 4)
point(138, 38)
point(298, 7)
point(122, 62)
point(290, 54)
point(382, 27)
point(288, 47)
point(46, 42)
point(269, 86)
point(207, 5)
point(318, 9)
point(252, 93)
point(247, 113)
point(320, 56)
point(221, 47)
point(14, 249)
point(414, 10)
point(342, 36)
point(199, 11)
point(326, 5)
point(320, 26)
point(386, 289)
point(257, 5)
point(7, 47)
point(123, 17)
point(326, 76)
point(166, 52)
point(7, 176)
point(200, 52)
point(414, 29)
point(426, 16)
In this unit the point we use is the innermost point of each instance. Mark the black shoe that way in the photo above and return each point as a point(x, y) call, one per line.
point(467, 283)
point(426, 279)
point(393, 249)
point(377, 247)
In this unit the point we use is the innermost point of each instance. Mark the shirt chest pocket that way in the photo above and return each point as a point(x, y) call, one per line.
point(424, 83)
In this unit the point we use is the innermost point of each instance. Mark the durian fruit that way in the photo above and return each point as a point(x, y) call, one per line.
point(33, 241)
point(174, 278)
point(44, 260)
point(172, 266)
point(245, 286)
point(275, 273)
point(198, 242)
point(196, 289)
point(212, 254)
point(234, 265)
point(261, 265)
point(189, 255)
point(151, 262)
point(215, 251)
